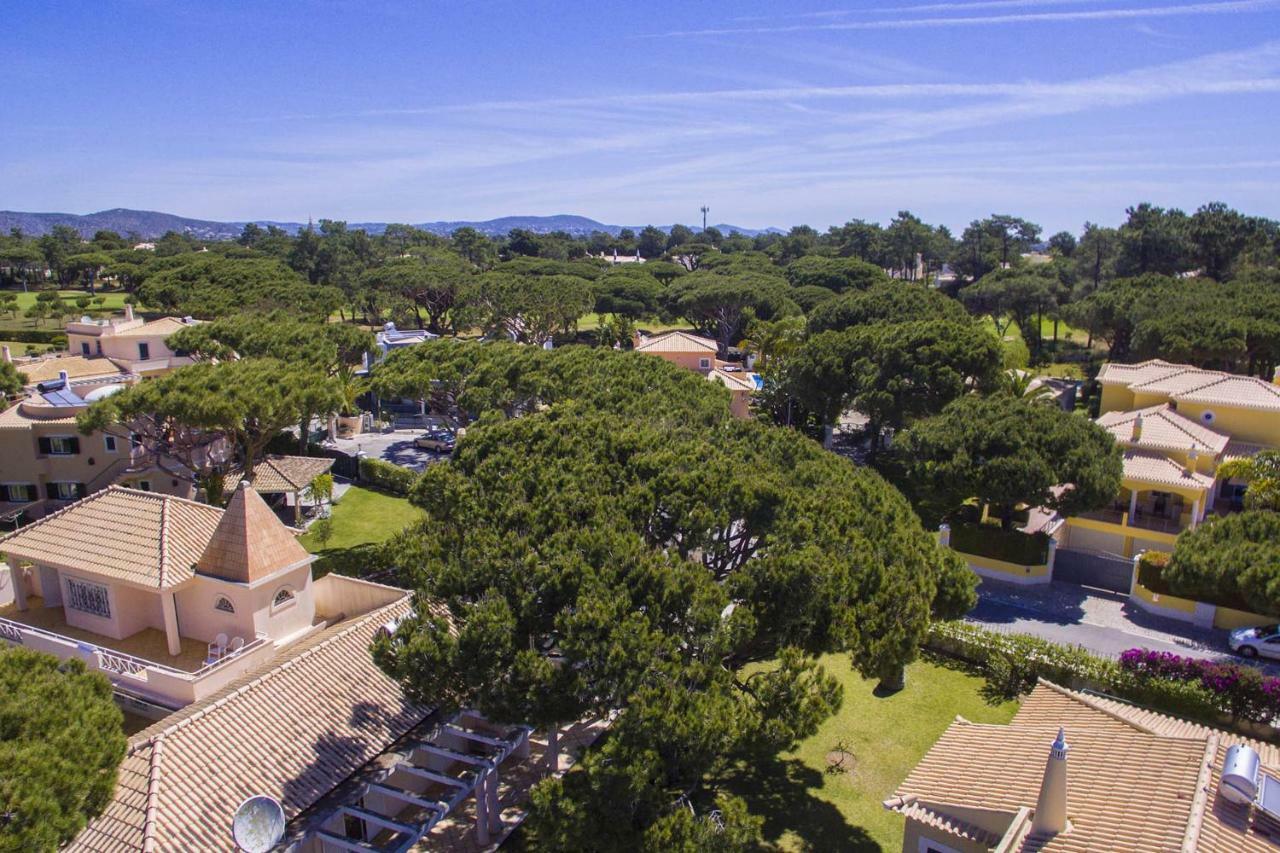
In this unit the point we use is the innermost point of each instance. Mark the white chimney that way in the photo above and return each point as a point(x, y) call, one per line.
point(1051, 807)
point(128, 311)
point(6, 353)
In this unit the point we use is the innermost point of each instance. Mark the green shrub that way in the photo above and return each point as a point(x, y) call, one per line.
point(1011, 546)
point(1152, 574)
point(390, 478)
point(1013, 662)
point(36, 336)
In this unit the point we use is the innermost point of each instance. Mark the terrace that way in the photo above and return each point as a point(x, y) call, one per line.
point(133, 663)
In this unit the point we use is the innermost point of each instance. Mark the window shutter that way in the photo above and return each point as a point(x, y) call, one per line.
point(82, 490)
point(75, 445)
point(51, 491)
point(46, 445)
point(29, 493)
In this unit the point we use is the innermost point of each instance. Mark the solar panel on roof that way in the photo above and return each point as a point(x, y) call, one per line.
point(1269, 796)
point(63, 397)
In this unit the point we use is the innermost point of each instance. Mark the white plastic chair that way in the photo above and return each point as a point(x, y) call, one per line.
point(237, 643)
point(218, 647)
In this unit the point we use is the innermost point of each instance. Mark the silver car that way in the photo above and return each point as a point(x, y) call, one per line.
point(1262, 641)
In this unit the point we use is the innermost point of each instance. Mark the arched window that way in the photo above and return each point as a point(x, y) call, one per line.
point(283, 597)
point(224, 604)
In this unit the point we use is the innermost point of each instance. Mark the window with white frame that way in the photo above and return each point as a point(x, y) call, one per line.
point(283, 598)
point(704, 363)
point(224, 604)
point(88, 598)
point(109, 442)
point(144, 485)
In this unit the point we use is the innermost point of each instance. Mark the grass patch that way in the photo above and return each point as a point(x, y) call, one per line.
point(114, 304)
point(362, 520)
point(809, 803)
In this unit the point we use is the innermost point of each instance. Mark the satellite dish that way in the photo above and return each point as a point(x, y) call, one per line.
point(258, 825)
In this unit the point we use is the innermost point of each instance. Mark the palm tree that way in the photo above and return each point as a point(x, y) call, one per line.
point(1018, 383)
point(768, 339)
point(1262, 473)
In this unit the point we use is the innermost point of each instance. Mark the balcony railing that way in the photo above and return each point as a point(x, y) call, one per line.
point(1158, 523)
point(1111, 516)
point(167, 683)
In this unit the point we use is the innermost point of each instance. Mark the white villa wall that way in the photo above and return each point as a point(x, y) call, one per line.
point(200, 620)
point(287, 620)
point(132, 610)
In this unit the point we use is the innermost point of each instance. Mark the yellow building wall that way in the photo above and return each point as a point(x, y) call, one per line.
point(1115, 398)
point(1169, 602)
point(977, 562)
point(1242, 424)
point(1229, 618)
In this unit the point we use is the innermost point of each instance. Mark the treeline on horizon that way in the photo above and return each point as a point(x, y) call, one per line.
point(1197, 287)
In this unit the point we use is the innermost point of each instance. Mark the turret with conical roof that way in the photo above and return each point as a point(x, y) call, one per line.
point(250, 542)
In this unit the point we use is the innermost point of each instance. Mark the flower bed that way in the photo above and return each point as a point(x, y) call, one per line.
point(1242, 691)
point(1213, 693)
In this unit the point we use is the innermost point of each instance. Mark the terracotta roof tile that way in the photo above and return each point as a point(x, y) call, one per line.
point(1163, 429)
point(249, 542)
point(733, 381)
point(1147, 467)
point(76, 367)
point(284, 473)
point(677, 342)
point(294, 729)
point(1185, 383)
point(142, 538)
point(1137, 780)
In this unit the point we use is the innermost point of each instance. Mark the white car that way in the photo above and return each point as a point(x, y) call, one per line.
point(1263, 641)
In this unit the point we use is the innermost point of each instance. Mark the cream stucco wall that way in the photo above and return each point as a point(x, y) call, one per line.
point(1249, 425)
point(132, 609)
point(688, 360)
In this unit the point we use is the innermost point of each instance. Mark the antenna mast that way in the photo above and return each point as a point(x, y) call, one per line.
point(705, 209)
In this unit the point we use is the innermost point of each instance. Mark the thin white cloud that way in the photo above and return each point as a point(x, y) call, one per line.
point(1214, 8)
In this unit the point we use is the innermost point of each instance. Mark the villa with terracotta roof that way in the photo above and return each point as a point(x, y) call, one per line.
point(137, 345)
point(693, 352)
point(1176, 424)
point(1079, 772)
point(170, 598)
point(262, 683)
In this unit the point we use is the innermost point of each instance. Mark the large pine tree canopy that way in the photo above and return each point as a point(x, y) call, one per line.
point(607, 537)
point(61, 741)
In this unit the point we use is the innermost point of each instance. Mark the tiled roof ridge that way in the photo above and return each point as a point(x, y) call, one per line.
point(270, 672)
point(1191, 841)
point(1089, 702)
point(1178, 421)
point(40, 522)
point(164, 541)
point(151, 812)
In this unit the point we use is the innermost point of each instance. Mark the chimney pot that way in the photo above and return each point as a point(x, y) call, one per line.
point(1051, 806)
point(245, 484)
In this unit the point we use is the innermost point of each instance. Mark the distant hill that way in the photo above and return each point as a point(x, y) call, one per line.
point(151, 224)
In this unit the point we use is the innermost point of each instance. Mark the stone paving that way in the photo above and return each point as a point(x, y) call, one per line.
point(1068, 604)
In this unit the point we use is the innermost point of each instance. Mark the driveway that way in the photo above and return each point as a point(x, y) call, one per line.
point(1105, 623)
point(394, 447)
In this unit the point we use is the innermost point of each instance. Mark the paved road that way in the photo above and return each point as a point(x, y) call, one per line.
point(1099, 639)
point(1103, 622)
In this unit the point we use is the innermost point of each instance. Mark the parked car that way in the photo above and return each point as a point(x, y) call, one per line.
point(439, 440)
point(1253, 642)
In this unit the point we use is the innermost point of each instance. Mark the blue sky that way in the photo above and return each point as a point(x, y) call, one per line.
point(771, 113)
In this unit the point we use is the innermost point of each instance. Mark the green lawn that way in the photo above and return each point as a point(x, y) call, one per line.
point(589, 322)
point(809, 806)
point(362, 518)
point(114, 304)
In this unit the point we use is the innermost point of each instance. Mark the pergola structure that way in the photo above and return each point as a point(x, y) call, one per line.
point(276, 475)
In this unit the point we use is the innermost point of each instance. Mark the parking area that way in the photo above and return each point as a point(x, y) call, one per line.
point(395, 447)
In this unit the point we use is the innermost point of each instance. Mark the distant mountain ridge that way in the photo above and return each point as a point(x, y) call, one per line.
point(151, 224)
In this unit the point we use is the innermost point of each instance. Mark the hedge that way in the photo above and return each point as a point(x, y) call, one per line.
point(1013, 662)
point(1011, 546)
point(1151, 575)
point(394, 479)
point(35, 336)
